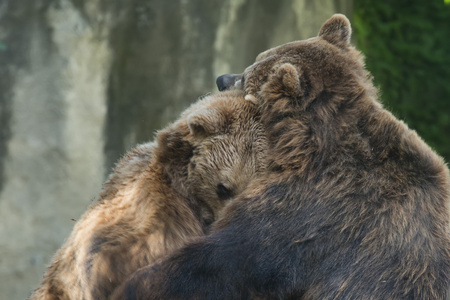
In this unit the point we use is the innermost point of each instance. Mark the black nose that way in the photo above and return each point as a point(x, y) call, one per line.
point(226, 81)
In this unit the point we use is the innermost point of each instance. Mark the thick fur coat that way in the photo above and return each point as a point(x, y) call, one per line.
point(354, 205)
point(160, 196)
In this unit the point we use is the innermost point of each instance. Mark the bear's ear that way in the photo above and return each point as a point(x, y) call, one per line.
point(206, 122)
point(337, 31)
point(290, 79)
point(173, 150)
point(284, 83)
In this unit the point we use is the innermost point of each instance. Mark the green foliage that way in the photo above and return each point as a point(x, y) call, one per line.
point(407, 48)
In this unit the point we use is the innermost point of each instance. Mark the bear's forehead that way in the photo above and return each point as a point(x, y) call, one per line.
point(230, 104)
point(226, 100)
point(287, 48)
point(313, 53)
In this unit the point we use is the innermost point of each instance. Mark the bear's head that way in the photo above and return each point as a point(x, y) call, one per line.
point(305, 70)
point(213, 150)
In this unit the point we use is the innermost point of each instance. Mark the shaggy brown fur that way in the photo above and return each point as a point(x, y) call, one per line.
point(160, 196)
point(354, 205)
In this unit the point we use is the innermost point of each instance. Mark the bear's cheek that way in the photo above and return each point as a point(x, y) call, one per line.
point(255, 79)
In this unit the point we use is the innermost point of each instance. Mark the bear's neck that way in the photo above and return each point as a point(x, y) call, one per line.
point(329, 128)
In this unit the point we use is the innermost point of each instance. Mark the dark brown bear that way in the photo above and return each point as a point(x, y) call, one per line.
point(354, 205)
point(160, 196)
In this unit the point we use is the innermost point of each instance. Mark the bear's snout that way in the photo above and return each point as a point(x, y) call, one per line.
point(227, 81)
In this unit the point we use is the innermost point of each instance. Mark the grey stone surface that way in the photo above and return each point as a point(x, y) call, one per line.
point(83, 81)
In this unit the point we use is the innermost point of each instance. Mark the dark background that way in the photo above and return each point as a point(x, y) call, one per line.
point(407, 48)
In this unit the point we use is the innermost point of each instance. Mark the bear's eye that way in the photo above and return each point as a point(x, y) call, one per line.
point(223, 192)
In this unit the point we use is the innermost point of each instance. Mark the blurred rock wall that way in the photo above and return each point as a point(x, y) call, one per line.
point(83, 81)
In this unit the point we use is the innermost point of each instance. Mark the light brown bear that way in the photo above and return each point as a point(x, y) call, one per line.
point(353, 205)
point(160, 196)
